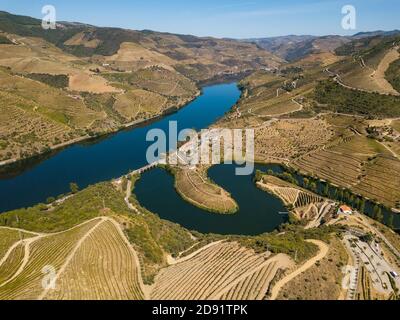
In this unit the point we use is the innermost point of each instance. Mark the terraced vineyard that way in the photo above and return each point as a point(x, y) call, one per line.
point(304, 204)
point(9, 237)
point(104, 267)
point(23, 274)
point(156, 79)
point(26, 131)
point(358, 163)
point(212, 273)
point(381, 180)
point(288, 139)
point(200, 192)
point(341, 163)
point(255, 286)
point(140, 104)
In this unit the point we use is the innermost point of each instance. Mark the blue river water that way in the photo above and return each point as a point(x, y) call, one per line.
point(29, 183)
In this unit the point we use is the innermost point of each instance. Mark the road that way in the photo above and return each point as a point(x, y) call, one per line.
point(323, 251)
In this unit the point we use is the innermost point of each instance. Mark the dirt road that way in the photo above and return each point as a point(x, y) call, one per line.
point(323, 251)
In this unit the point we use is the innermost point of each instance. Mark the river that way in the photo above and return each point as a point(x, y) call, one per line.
point(32, 182)
point(259, 211)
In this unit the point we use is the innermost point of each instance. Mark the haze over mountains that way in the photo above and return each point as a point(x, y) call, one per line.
point(295, 47)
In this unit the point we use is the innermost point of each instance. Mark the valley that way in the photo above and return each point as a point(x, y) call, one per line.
point(80, 220)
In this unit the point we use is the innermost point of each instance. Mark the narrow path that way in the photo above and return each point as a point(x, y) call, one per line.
point(280, 259)
point(146, 293)
point(24, 231)
point(172, 261)
point(27, 249)
point(27, 243)
point(379, 75)
point(128, 195)
point(387, 148)
point(323, 251)
point(71, 255)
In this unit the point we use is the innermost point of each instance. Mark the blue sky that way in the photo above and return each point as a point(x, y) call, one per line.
point(220, 18)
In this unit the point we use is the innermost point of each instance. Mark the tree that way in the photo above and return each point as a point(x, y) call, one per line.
point(258, 176)
point(326, 190)
point(73, 187)
point(357, 203)
point(390, 222)
point(362, 205)
point(378, 215)
point(50, 200)
point(335, 194)
point(306, 182)
point(340, 194)
point(313, 186)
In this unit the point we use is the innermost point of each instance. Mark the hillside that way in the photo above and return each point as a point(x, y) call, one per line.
point(78, 81)
point(368, 66)
point(292, 48)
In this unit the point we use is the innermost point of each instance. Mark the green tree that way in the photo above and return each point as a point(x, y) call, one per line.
point(326, 190)
point(50, 200)
point(390, 222)
point(378, 215)
point(73, 187)
point(258, 176)
point(362, 205)
point(340, 195)
point(335, 194)
point(357, 203)
point(313, 186)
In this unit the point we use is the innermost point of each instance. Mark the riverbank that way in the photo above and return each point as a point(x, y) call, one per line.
point(27, 183)
point(258, 212)
point(88, 138)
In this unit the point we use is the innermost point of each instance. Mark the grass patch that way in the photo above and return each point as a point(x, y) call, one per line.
point(331, 96)
point(57, 81)
point(4, 40)
point(393, 75)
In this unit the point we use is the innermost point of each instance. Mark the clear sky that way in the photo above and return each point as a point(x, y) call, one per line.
point(220, 18)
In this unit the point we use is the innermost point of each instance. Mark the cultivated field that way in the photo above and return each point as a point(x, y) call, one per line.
point(86, 82)
point(381, 180)
point(215, 273)
point(140, 104)
point(194, 187)
point(105, 267)
point(287, 139)
point(304, 204)
point(99, 274)
point(358, 163)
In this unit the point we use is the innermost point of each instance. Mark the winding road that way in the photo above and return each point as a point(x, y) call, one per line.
point(323, 251)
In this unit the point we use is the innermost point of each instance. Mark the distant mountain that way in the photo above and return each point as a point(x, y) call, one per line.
point(361, 35)
point(292, 47)
point(199, 58)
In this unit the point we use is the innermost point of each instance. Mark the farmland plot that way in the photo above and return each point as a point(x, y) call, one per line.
point(194, 188)
point(103, 268)
point(210, 274)
point(83, 269)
